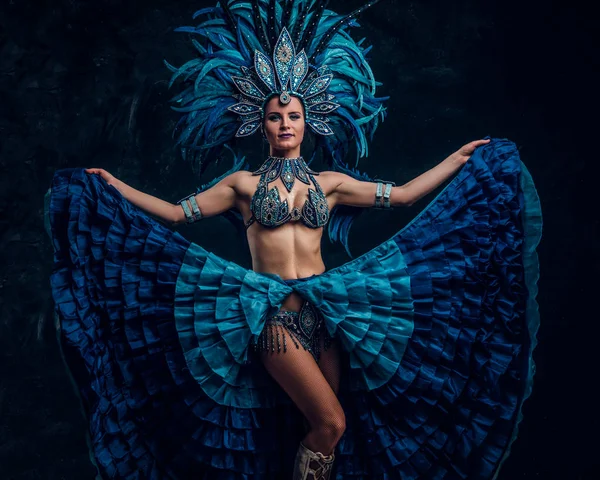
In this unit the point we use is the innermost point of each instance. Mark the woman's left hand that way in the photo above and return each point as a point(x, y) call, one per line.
point(464, 153)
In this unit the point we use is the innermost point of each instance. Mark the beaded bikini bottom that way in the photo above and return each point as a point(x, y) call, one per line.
point(304, 328)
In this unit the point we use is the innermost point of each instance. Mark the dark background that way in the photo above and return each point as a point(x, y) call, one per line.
point(82, 84)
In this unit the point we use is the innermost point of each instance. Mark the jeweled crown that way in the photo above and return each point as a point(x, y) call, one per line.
point(287, 76)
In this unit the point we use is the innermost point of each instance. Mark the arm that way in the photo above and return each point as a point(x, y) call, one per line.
point(356, 193)
point(348, 191)
point(218, 199)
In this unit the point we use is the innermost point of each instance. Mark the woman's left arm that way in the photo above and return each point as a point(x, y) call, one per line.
point(349, 191)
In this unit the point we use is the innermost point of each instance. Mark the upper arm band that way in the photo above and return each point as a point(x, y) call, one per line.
point(191, 215)
point(382, 198)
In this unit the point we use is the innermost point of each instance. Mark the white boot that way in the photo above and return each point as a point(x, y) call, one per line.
point(312, 465)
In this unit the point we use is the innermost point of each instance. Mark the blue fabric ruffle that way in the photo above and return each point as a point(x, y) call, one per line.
point(437, 325)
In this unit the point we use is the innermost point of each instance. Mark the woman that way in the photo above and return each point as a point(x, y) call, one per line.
point(411, 361)
point(293, 251)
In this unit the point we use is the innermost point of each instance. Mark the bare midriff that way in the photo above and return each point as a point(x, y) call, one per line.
point(290, 251)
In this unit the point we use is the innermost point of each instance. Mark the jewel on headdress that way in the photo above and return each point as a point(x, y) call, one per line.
point(318, 86)
point(244, 108)
point(284, 54)
point(285, 98)
point(264, 69)
point(299, 70)
point(323, 108)
point(283, 57)
point(320, 127)
point(248, 128)
point(247, 87)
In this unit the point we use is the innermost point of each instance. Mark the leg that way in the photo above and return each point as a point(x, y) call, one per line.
point(300, 377)
point(329, 363)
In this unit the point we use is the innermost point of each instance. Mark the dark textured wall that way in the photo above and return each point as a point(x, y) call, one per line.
point(82, 84)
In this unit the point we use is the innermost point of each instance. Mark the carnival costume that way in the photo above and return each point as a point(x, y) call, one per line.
point(437, 324)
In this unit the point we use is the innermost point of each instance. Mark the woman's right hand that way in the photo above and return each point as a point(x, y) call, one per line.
point(107, 177)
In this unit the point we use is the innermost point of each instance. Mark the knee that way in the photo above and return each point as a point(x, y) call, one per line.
point(332, 426)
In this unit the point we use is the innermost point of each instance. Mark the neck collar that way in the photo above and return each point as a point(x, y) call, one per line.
point(288, 169)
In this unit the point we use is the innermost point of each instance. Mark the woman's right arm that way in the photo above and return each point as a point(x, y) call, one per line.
point(214, 201)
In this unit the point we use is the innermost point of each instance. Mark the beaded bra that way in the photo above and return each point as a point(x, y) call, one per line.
point(266, 205)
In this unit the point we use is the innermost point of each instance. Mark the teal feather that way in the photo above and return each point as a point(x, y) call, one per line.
point(207, 68)
point(313, 23)
point(232, 56)
point(287, 12)
point(328, 36)
point(300, 23)
point(352, 73)
point(244, 51)
point(259, 27)
point(182, 71)
point(203, 11)
point(170, 67)
point(228, 16)
point(246, 31)
point(368, 118)
point(296, 10)
point(199, 47)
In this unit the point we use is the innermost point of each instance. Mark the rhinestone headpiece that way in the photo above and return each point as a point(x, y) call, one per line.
point(287, 76)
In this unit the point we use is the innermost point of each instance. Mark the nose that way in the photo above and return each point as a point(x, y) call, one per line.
point(284, 123)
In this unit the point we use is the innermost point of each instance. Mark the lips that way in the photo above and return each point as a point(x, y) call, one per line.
point(286, 135)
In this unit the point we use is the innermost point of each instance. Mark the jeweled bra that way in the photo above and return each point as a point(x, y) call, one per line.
point(266, 205)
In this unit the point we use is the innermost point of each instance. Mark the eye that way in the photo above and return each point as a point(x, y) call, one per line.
point(295, 116)
point(273, 118)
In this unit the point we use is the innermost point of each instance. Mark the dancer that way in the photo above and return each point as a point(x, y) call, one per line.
point(411, 361)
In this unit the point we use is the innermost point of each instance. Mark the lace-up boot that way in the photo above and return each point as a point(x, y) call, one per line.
point(312, 465)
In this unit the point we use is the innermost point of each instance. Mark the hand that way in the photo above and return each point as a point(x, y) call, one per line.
point(463, 154)
point(107, 177)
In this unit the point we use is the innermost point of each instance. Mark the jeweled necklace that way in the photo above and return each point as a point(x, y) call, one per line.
point(288, 169)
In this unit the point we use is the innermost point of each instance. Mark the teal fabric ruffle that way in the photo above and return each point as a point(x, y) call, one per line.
point(220, 309)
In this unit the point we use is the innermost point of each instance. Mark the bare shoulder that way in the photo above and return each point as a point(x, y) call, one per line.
point(335, 176)
point(329, 180)
point(243, 181)
point(330, 176)
point(239, 176)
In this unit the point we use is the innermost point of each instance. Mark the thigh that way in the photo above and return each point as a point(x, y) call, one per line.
point(329, 363)
point(301, 378)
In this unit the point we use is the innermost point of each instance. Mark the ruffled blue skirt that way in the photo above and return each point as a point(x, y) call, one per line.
point(437, 326)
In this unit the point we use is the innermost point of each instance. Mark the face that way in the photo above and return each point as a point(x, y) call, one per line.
point(284, 127)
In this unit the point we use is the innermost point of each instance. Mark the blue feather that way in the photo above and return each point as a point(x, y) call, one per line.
point(204, 11)
point(244, 51)
point(185, 29)
point(169, 66)
point(232, 56)
point(206, 69)
point(199, 47)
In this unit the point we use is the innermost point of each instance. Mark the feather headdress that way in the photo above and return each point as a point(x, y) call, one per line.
point(249, 51)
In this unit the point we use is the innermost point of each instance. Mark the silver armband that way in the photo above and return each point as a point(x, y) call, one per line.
point(191, 215)
point(382, 198)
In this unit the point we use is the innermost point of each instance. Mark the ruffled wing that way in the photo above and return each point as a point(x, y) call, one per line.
point(440, 324)
point(156, 332)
